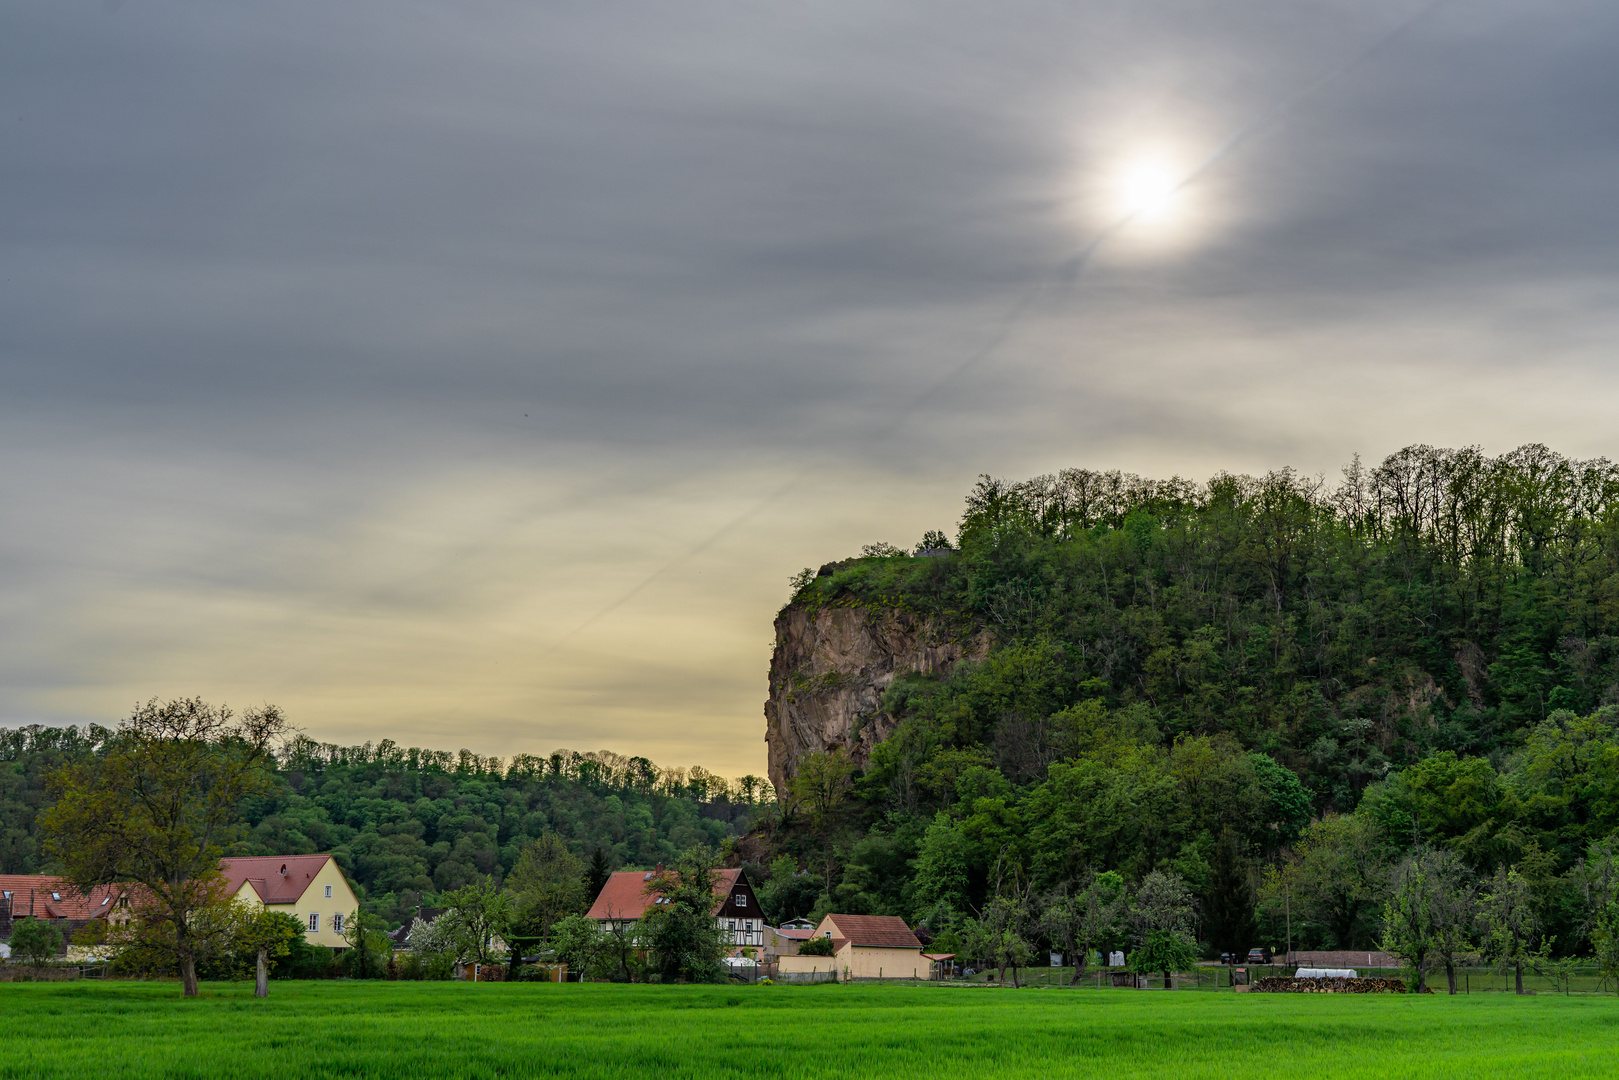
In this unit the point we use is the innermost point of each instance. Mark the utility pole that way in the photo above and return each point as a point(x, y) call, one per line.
point(1287, 906)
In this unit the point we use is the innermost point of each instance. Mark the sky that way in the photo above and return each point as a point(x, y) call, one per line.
point(476, 374)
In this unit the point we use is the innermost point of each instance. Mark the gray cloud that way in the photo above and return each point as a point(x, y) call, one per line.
point(355, 357)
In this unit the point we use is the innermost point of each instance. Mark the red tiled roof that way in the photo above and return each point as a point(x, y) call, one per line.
point(278, 879)
point(37, 895)
point(875, 931)
point(625, 894)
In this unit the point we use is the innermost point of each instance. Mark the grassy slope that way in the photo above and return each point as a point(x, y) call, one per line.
point(435, 1029)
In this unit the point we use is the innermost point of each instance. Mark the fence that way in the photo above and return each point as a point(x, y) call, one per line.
point(1469, 980)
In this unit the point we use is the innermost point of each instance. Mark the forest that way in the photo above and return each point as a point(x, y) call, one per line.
point(1265, 708)
point(1279, 682)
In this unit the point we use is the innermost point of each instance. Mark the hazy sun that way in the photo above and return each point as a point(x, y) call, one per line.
point(1146, 188)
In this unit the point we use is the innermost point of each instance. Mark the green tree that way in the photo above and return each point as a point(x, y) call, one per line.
point(368, 944)
point(1088, 917)
point(1338, 877)
point(1411, 915)
point(1511, 926)
point(477, 913)
point(1164, 916)
point(266, 934)
point(1166, 951)
point(1229, 920)
point(817, 946)
point(157, 808)
point(580, 943)
point(598, 873)
point(34, 941)
point(548, 883)
point(684, 939)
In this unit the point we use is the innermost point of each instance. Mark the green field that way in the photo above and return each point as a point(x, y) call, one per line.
point(324, 1029)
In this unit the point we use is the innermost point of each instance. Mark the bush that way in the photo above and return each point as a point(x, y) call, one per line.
point(818, 946)
point(34, 941)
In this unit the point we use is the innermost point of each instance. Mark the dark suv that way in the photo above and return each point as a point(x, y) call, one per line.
point(1258, 956)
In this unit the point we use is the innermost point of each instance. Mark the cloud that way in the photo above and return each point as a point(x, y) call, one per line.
point(355, 358)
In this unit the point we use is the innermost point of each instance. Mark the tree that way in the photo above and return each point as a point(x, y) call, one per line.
point(598, 873)
point(266, 934)
point(1510, 925)
point(817, 946)
point(822, 783)
point(1229, 920)
point(548, 883)
point(1090, 917)
point(476, 914)
point(679, 929)
point(1409, 916)
point(580, 943)
point(1163, 914)
point(368, 944)
point(1338, 877)
point(35, 941)
point(1455, 911)
point(157, 808)
point(1163, 950)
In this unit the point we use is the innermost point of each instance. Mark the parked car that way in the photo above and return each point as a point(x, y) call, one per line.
point(1259, 956)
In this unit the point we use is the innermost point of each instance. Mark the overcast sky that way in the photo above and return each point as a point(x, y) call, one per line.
point(476, 374)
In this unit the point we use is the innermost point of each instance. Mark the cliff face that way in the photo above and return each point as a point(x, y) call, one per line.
point(828, 675)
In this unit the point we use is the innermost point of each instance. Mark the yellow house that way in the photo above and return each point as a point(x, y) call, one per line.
point(864, 947)
point(310, 888)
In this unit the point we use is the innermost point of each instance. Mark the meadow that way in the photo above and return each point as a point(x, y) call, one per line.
point(332, 1029)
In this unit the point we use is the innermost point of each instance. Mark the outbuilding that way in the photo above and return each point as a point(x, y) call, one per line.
point(863, 947)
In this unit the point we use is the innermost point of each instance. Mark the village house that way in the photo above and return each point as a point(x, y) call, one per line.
point(864, 947)
point(310, 888)
point(53, 899)
point(629, 893)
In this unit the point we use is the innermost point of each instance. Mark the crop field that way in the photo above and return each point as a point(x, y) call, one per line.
point(327, 1029)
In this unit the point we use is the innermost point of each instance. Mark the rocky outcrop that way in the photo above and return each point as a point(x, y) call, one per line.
point(829, 671)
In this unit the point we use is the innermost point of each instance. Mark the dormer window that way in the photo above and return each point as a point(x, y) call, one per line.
point(56, 896)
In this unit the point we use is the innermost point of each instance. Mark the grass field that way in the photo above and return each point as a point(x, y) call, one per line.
point(324, 1029)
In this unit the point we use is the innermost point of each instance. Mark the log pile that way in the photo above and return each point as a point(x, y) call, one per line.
point(1282, 985)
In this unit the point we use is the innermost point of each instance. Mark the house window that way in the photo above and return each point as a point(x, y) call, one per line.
point(56, 896)
point(337, 924)
point(328, 892)
point(733, 926)
point(314, 922)
point(741, 899)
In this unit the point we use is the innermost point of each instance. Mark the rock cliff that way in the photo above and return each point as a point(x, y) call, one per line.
point(829, 671)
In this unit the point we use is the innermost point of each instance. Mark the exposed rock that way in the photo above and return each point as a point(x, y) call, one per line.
point(829, 671)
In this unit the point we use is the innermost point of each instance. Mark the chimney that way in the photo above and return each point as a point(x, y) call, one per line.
point(660, 869)
point(283, 869)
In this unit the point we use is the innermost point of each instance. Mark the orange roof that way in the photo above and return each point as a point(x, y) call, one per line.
point(45, 896)
point(874, 931)
point(625, 895)
point(278, 879)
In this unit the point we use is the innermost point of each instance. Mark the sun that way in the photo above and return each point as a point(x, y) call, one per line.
point(1146, 189)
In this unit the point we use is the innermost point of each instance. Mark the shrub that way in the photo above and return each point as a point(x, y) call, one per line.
point(819, 946)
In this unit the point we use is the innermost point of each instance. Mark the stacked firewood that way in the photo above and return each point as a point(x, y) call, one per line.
point(1281, 985)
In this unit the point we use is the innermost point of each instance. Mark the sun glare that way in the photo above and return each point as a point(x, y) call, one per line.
point(1146, 190)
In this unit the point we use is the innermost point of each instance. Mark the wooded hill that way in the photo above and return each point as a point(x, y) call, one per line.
point(1176, 661)
point(407, 823)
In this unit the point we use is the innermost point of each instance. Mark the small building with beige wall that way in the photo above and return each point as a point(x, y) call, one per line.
point(864, 947)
